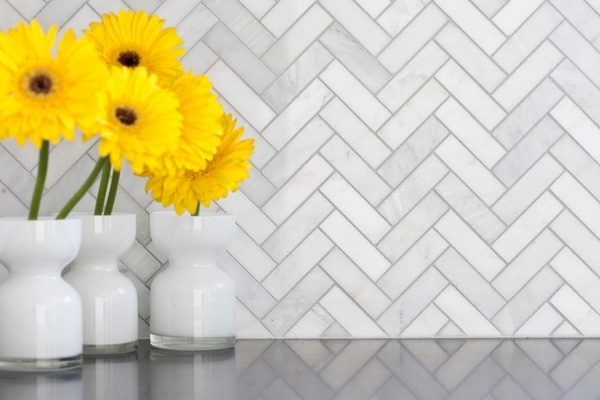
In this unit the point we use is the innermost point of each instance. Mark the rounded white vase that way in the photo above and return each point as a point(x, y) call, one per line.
point(192, 301)
point(109, 298)
point(40, 313)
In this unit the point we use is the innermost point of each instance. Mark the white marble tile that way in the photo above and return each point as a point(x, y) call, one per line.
point(140, 262)
point(427, 324)
point(199, 59)
point(406, 271)
point(582, 15)
point(527, 114)
point(578, 163)
point(293, 231)
point(247, 325)
point(345, 311)
point(242, 23)
point(248, 216)
point(355, 170)
point(541, 323)
point(293, 43)
point(258, 188)
point(374, 7)
point(470, 246)
point(577, 311)
point(468, 92)
point(579, 88)
point(528, 226)
point(529, 74)
point(579, 126)
point(355, 132)
point(490, 7)
point(355, 57)
point(312, 324)
point(297, 114)
point(527, 264)
point(238, 57)
point(255, 260)
point(529, 36)
point(470, 132)
point(413, 152)
point(578, 200)
point(412, 77)
point(412, 227)
point(298, 264)
point(527, 151)
point(412, 39)
point(352, 92)
point(414, 112)
point(469, 56)
point(297, 77)
point(297, 302)
point(79, 21)
point(514, 14)
point(348, 239)
point(106, 6)
point(258, 8)
point(355, 283)
point(575, 368)
point(174, 15)
point(470, 208)
point(578, 238)
point(399, 14)
point(464, 314)
point(470, 356)
point(358, 23)
point(193, 27)
point(355, 208)
point(578, 50)
point(525, 303)
point(284, 14)
point(11, 207)
point(470, 170)
point(297, 152)
point(57, 12)
point(474, 23)
point(470, 283)
point(420, 182)
point(531, 185)
point(229, 85)
point(410, 304)
point(581, 278)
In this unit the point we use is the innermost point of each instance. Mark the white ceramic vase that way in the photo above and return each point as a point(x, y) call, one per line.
point(40, 313)
point(192, 301)
point(109, 298)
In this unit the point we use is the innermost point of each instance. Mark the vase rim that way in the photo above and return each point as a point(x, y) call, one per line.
point(211, 214)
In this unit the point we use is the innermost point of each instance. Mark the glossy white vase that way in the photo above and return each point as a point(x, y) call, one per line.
point(40, 313)
point(109, 298)
point(192, 301)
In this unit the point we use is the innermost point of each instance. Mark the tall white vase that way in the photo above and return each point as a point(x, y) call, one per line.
point(40, 314)
point(192, 301)
point(109, 298)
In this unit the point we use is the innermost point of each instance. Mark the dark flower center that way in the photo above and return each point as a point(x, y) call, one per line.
point(126, 116)
point(40, 84)
point(129, 59)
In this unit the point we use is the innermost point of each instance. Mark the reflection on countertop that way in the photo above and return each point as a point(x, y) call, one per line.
point(331, 369)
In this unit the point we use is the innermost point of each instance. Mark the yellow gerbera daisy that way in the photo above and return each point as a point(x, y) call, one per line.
point(44, 96)
point(139, 120)
point(201, 132)
point(223, 173)
point(133, 39)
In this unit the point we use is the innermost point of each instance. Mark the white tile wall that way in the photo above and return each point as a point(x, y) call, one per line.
point(423, 168)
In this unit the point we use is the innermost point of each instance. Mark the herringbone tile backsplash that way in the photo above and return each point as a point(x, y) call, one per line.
point(423, 168)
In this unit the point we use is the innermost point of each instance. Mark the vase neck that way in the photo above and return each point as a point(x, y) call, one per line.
point(42, 269)
point(96, 261)
point(193, 258)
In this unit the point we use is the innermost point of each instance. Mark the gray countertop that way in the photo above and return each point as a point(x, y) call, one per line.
point(331, 369)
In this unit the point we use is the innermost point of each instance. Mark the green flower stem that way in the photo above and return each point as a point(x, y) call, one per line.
point(112, 193)
point(197, 213)
point(38, 190)
point(102, 189)
point(83, 189)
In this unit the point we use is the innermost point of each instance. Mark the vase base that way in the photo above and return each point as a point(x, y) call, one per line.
point(40, 364)
point(119, 348)
point(191, 343)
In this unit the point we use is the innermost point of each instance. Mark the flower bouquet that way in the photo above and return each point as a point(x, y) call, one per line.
point(120, 84)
